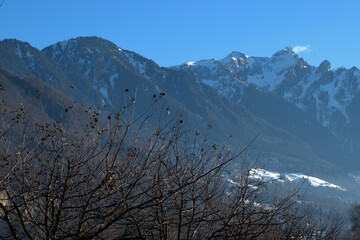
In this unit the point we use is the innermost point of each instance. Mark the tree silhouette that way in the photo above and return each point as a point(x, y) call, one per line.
point(115, 177)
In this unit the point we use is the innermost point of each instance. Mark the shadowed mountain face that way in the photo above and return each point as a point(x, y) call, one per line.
point(277, 98)
point(27, 100)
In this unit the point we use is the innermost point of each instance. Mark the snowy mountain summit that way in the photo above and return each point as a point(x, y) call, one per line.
point(326, 94)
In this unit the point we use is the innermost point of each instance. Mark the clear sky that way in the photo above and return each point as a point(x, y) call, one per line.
point(173, 32)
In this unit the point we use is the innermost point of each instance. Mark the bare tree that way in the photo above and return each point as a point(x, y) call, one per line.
point(60, 183)
point(114, 177)
point(353, 231)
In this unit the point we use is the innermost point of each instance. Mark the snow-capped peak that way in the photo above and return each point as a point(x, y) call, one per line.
point(287, 50)
point(284, 72)
point(236, 54)
point(236, 58)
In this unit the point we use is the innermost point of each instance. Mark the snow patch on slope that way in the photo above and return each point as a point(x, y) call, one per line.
point(112, 78)
point(18, 51)
point(264, 175)
point(272, 72)
point(139, 64)
point(104, 92)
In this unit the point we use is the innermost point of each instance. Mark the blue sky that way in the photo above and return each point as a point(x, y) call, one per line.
point(172, 32)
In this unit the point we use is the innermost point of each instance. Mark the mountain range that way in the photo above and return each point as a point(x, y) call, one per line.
point(329, 96)
point(305, 119)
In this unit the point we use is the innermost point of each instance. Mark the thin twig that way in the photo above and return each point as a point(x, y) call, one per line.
point(2, 3)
